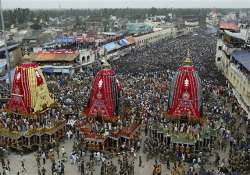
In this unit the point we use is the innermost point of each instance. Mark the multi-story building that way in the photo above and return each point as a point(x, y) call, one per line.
point(213, 18)
point(155, 36)
point(94, 26)
point(233, 59)
point(14, 54)
point(139, 28)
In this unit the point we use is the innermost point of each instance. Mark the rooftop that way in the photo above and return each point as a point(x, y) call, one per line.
point(229, 26)
point(243, 57)
point(55, 56)
point(239, 35)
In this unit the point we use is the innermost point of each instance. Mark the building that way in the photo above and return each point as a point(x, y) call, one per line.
point(139, 28)
point(180, 23)
point(14, 54)
point(94, 26)
point(213, 18)
point(63, 61)
point(233, 60)
point(56, 61)
point(191, 23)
point(155, 36)
point(123, 46)
point(115, 49)
point(31, 40)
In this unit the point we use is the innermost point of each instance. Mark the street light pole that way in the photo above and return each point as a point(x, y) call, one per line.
point(5, 44)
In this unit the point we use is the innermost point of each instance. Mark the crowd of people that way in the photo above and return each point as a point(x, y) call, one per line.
point(148, 69)
point(145, 75)
point(19, 123)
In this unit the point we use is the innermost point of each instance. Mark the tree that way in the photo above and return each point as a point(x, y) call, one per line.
point(153, 11)
point(78, 21)
point(36, 26)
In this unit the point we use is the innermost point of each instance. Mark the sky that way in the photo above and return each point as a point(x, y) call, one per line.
point(83, 4)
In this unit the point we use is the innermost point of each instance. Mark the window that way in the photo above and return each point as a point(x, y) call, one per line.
point(83, 59)
point(220, 48)
point(218, 59)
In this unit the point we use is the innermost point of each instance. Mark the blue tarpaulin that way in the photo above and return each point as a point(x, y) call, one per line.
point(243, 57)
point(123, 42)
point(65, 40)
point(110, 46)
point(48, 70)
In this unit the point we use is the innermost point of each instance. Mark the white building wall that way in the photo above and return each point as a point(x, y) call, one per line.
point(155, 36)
point(86, 57)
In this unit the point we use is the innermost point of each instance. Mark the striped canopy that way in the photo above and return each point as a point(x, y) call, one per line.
point(29, 93)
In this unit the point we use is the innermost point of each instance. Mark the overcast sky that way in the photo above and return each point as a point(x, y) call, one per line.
point(126, 3)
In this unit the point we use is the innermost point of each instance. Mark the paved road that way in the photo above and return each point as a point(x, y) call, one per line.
point(31, 166)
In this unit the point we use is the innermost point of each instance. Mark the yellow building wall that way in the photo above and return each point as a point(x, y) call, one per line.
point(237, 79)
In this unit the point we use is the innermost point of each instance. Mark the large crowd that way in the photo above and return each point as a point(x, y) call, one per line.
point(145, 74)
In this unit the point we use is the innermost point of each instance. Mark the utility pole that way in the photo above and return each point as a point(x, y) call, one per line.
point(5, 45)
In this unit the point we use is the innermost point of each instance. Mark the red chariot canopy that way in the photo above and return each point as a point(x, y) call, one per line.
point(185, 94)
point(105, 94)
point(29, 91)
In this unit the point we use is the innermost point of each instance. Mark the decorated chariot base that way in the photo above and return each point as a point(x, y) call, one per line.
point(183, 137)
point(103, 127)
point(183, 127)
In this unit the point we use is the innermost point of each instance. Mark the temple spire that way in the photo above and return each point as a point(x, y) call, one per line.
point(105, 63)
point(188, 60)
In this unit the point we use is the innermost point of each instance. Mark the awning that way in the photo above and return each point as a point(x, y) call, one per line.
point(123, 42)
point(48, 70)
point(111, 46)
point(243, 57)
point(109, 33)
point(58, 70)
point(131, 40)
point(235, 35)
point(65, 40)
point(65, 71)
